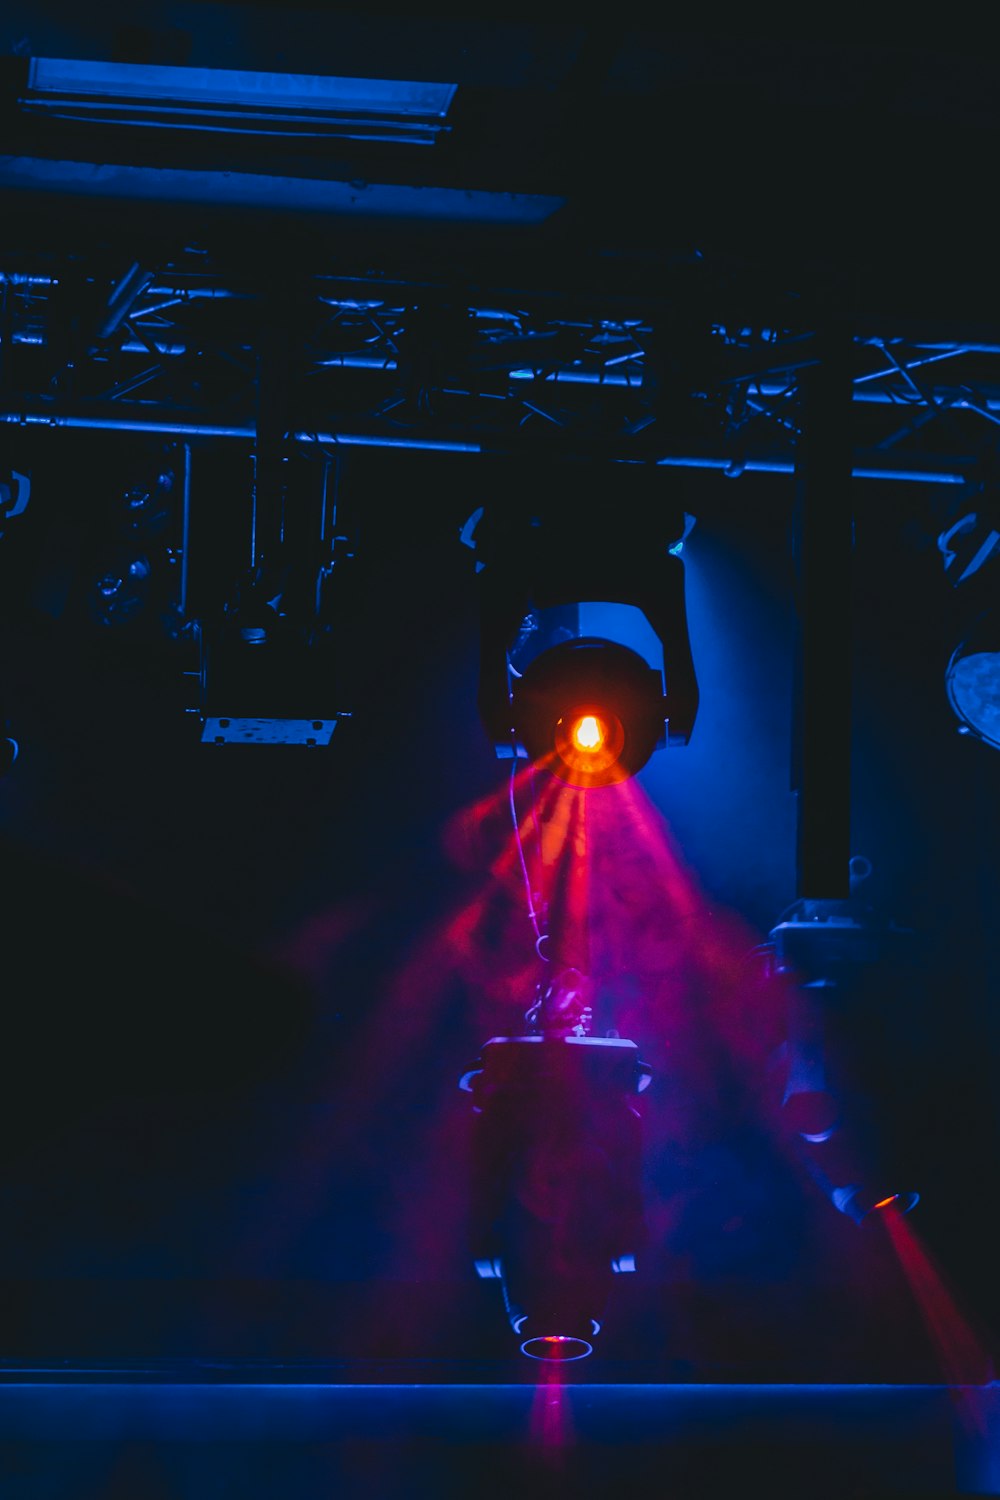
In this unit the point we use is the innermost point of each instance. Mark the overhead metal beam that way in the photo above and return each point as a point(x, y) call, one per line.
point(272, 195)
point(167, 427)
point(823, 543)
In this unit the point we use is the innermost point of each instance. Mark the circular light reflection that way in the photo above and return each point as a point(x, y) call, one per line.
point(561, 1346)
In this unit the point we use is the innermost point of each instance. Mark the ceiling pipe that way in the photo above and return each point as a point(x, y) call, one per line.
point(245, 432)
point(372, 362)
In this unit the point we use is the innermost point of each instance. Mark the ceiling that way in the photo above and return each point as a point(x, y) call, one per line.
point(622, 235)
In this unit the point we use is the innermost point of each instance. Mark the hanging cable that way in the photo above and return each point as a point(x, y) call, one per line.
point(540, 936)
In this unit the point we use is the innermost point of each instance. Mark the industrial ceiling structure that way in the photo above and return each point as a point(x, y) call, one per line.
point(600, 233)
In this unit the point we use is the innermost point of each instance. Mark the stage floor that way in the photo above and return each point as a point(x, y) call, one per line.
point(150, 1434)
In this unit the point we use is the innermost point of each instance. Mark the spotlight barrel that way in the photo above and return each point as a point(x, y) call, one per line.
point(582, 615)
point(593, 688)
point(556, 1187)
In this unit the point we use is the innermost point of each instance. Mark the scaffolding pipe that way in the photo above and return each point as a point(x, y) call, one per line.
point(823, 543)
point(246, 433)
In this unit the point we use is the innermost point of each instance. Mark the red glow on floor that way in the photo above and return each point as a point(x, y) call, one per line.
point(964, 1361)
point(550, 1426)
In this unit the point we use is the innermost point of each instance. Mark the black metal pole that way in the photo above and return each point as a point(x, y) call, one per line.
point(823, 539)
point(271, 429)
point(185, 466)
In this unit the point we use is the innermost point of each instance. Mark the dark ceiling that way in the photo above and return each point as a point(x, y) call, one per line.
point(798, 159)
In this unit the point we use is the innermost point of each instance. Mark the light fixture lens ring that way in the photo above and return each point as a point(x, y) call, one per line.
point(556, 1346)
point(588, 744)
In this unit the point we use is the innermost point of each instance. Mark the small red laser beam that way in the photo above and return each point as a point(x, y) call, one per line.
point(963, 1356)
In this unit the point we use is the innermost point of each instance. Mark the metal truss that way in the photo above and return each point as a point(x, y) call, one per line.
point(177, 352)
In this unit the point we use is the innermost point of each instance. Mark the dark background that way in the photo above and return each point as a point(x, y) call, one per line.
point(231, 1128)
point(233, 1037)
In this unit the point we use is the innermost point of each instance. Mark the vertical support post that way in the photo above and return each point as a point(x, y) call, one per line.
point(185, 466)
point(267, 521)
point(823, 540)
point(6, 340)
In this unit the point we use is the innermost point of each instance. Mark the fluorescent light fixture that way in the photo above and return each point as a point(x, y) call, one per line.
point(230, 100)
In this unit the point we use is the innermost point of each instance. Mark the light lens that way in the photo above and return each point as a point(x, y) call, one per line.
point(973, 685)
point(588, 733)
point(897, 1203)
point(588, 746)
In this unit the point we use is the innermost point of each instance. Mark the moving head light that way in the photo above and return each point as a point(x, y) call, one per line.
point(585, 661)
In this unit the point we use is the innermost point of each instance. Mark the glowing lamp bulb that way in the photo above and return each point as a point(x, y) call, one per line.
point(588, 747)
point(588, 733)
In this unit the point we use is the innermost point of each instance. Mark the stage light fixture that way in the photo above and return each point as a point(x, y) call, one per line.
point(972, 683)
point(585, 661)
point(9, 751)
point(588, 707)
point(826, 946)
point(264, 681)
point(857, 1202)
point(556, 1191)
point(15, 492)
point(970, 548)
